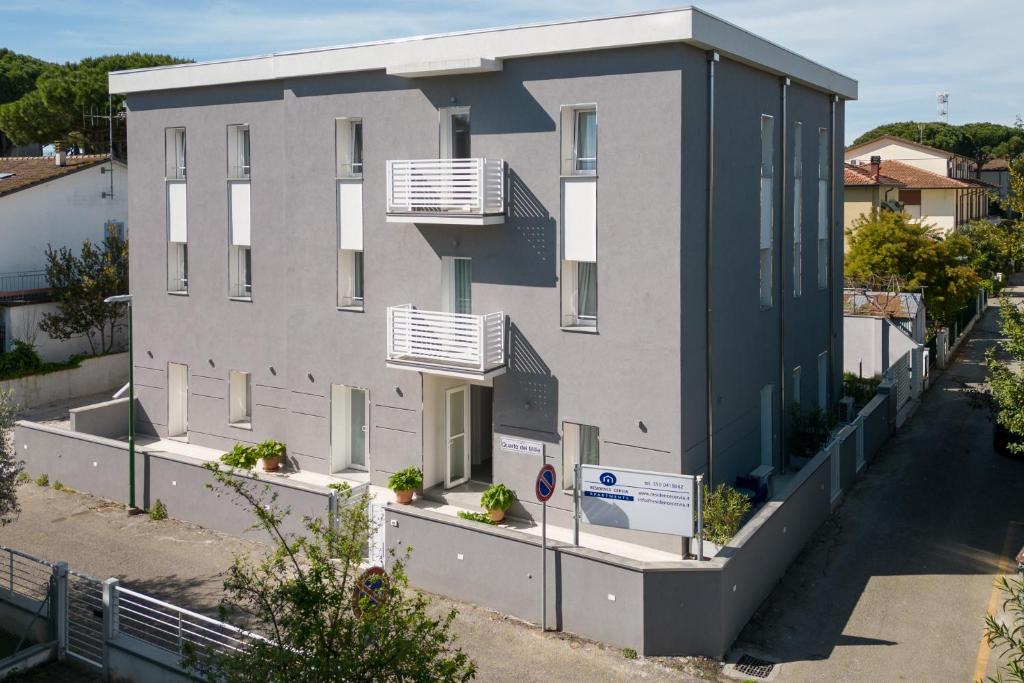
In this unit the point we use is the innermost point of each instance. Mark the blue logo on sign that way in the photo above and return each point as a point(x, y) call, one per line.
point(608, 479)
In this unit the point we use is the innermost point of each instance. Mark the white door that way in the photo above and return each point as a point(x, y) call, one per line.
point(177, 399)
point(349, 411)
point(458, 284)
point(454, 133)
point(456, 436)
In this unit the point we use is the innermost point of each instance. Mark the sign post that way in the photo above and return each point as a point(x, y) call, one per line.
point(576, 504)
point(544, 488)
point(700, 517)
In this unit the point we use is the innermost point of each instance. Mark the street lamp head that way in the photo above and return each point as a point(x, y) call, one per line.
point(118, 299)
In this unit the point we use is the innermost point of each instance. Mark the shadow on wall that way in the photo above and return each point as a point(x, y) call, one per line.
point(526, 396)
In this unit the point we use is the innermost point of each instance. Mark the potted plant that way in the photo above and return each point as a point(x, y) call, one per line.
point(404, 483)
point(271, 453)
point(497, 499)
point(241, 456)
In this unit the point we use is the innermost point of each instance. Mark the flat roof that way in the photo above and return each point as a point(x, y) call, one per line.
point(688, 25)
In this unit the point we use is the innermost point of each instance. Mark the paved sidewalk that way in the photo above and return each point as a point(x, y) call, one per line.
point(896, 585)
point(184, 564)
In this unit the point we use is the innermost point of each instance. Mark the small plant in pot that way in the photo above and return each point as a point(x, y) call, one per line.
point(271, 453)
point(497, 499)
point(404, 483)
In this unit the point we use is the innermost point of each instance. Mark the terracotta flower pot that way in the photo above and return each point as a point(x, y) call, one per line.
point(403, 497)
point(272, 464)
point(496, 515)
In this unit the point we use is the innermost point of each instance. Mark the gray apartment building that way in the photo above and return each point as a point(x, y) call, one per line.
point(611, 241)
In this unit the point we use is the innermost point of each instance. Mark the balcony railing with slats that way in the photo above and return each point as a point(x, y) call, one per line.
point(453, 342)
point(25, 286)
point(446, 188)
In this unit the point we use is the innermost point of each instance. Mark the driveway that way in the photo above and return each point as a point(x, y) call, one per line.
point(897, 584)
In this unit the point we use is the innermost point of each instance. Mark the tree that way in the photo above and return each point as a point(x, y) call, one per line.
point(1005, 379)
point(1008, 637)
point(10, 466)
point(980, 142)
point(301, 597)
point(56, 109)
point(18, 74)
point(79, 284)
point(997, 248)
point(884, 244)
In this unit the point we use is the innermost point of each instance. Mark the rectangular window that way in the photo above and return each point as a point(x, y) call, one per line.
point(240, 399)
point(177, 267)
point(348, 140)
point(580, 444)
point(767, 208)
point(458, 284)
point(241, 272)
point(579, 294)
point(578, 139)
point(798, 209)
point(350, 279)
point(823, 380)
point(767, 425)
point(824, 229)
point(910, 197)
point(797, 386)
point(174, 154)
point(239, 164)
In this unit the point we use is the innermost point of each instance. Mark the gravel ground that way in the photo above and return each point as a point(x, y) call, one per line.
point(184, 564)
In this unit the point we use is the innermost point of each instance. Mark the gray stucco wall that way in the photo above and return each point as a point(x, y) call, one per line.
point(109, 419)
point(641, 379)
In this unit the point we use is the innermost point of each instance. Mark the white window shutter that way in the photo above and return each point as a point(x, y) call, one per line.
point(579, 219)
point(177, 227)
point(350, 215)
point(240, 214)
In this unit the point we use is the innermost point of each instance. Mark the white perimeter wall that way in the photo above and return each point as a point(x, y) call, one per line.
point(863, 345)
point(891, 151)
point(22, 322)
point(62, 212)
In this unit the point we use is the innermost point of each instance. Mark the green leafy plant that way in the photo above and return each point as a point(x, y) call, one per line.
point(629, 653)
point(498, 497)
point(1007, 635)
point(58, 486)
point(43, 480)
point(808, 430)
point(861, 389)
point(23, 477)
point(408, 479)
point(340, 486)
point(158, 511)
point(476, 517)
point(269, 449)
point(11, 469)
point(724, 509)
point(241, 456)
point(1006, 382)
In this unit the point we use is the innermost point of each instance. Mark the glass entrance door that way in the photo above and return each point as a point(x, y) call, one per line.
point(458, 284)
point(348, 428)
point(457, 436)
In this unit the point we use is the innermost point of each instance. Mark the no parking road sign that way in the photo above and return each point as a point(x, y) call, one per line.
point(370, 590)
point(545, 483)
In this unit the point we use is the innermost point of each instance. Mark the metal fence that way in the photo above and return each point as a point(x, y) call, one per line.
point(26, 575)
point(899, 374)
point(31, 285)
point(85, 619)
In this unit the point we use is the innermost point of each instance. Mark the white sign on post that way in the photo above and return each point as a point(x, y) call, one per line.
point(643, 501)
point(525, 446)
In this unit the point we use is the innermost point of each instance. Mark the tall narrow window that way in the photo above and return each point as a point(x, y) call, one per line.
point(349, 147)
point(823, 211)
point(240, 399)
point(175, 154)
point(580, 444)
point(177, 267)
point(579, 291)
point(239, 164)
point(794, 391)
point(767, 208)
point(768, 425)
point(241, 272)
point(798, 209)
point(350, 279)
point(585, 141)
point(459, 285)
point(823, 380)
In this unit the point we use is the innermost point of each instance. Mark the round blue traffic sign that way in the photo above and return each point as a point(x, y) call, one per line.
point(545, 483)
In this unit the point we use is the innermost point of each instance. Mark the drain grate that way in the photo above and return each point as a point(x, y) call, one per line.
point(752, 666)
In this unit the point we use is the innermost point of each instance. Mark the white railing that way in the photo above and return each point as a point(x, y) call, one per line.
point(446, 186)
point(25, 575)
point(171, 628)
point(447, 340)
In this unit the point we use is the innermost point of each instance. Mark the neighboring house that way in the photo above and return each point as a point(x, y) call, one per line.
point(939, 187)
point(454, 251)
point(865, 189)
point(58, 201)
point(9, 149)
point(996, 172)
point(879, 328)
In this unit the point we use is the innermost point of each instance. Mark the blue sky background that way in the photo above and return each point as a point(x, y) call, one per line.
point(902, 52)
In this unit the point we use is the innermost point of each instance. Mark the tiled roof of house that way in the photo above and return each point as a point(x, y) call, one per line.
point(26, 172)
point(996, 165)
point(920, 179)
point(862, 176)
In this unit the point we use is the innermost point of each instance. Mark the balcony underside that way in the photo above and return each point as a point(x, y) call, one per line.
point(445, 218)
point(445, 369)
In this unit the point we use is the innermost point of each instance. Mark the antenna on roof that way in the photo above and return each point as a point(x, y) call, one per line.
point(942, 102)
point(92, 117)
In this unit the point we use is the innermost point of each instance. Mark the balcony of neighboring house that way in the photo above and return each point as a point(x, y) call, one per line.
point(24, 287)
point(450, 191)
point(449, 344)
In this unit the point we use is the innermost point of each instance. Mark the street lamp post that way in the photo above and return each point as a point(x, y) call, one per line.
point(127, 299)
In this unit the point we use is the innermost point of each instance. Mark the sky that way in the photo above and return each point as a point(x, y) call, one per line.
point(901, 52)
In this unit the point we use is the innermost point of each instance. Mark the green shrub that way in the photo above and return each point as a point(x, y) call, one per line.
point(23, 477)
point(22, 361)
point(476, 517)
point(409, 479)
point(862, 389)
point(808, 430)
point(240, 456)
point(58, 486)
point(497, 497)
point(629, 653)
point(269, 449)
point(724, 509)
point(341, 487)
point(43, 480)
point(158, 511)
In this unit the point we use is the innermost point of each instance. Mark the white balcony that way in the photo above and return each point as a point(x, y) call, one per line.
point(451, 344)
point(452, 191)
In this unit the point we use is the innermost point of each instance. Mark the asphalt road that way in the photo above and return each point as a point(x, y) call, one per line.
point(895, 587)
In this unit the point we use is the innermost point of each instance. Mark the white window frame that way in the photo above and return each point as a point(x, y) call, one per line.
point(240, 399)
point(571, 451)
point(240, 269)
point(341, 442)
point(351, 274)
point(175, 151)
point(345, 145)
point(569, 145)
point(766, 284)
point(824, 229)
point(239, 157)
point(571, 316)
point(798, 210)
point(177, 267)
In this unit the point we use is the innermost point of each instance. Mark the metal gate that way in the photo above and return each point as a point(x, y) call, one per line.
point(85, 619)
